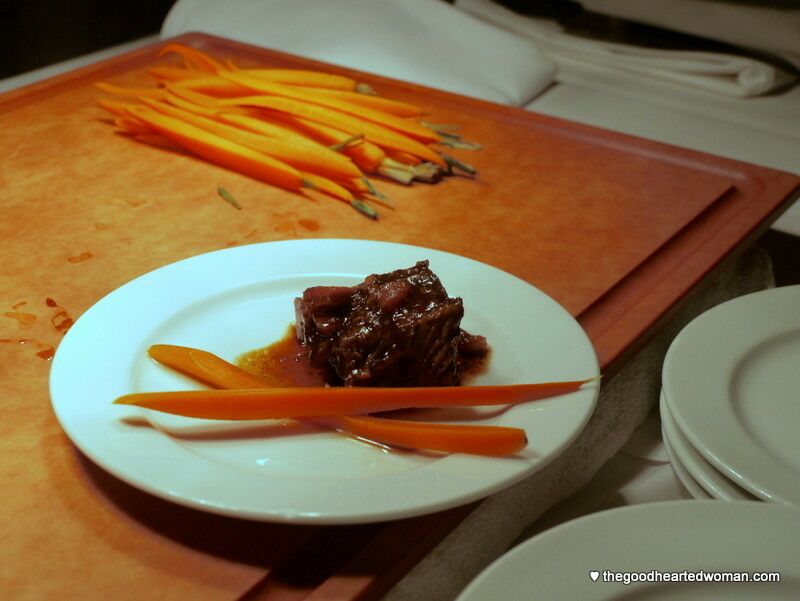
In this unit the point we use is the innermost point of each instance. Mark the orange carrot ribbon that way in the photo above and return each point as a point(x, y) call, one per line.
point(278, 403)
point(480, 440)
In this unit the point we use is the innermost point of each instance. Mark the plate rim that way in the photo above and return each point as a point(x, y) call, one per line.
point(688, 482)
point(647, 516)
point(713, 482)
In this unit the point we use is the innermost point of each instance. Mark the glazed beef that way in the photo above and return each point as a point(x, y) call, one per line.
point(394, 329)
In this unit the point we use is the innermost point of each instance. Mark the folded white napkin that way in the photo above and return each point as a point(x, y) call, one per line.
point(770, 26)
point(422, 41)
point(718, 73)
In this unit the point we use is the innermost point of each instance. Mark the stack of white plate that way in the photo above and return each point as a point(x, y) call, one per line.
point(730, 400)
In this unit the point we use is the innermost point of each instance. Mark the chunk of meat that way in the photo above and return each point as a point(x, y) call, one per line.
point(395, 329)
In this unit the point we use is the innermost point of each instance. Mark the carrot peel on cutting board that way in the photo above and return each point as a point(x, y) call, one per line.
point(480, 440)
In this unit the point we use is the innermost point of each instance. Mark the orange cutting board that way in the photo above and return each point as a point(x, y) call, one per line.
point(615, 228)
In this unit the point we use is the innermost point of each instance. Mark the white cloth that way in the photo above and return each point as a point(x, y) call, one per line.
point(639, 473)
point(775, 29)
point(717, 73)
point(427, 42)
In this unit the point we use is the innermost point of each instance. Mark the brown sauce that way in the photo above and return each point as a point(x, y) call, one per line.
point(24, 320)
point(80, 258)
point(62, 321)
point(312, 225)
point(45, 352)
point(472, 366)
point(284, 363)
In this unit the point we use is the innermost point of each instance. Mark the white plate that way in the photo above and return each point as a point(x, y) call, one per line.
point(689, 483)
point(234, 300)
point(672, 536)
point(712, 481)
point(730, 382)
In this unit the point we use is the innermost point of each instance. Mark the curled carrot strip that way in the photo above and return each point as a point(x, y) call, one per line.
point(408, 128)
point(194, 57)
point(261, 126)
point(301, 77)
point(379, 103)
point(192, 96)
point(213, 85)
point(187, 105)
point(304, 155)
point(166, 73)
point(373, 132)
point(198, 103)
point(366, 155)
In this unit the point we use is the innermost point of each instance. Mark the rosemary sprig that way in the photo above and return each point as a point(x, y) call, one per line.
point(462, 144)
point(379, 197)
point(228, 197)
point(453, 162)
point(364, 209)
point(456, 141)
point(441, 127)
point(449, 135)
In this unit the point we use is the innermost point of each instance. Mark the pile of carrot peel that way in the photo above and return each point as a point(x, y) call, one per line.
point(295, 129)
point(240, 395)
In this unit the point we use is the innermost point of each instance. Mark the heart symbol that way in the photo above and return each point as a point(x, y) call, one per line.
point(594, 575)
